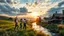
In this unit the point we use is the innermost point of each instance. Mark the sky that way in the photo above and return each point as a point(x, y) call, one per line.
point(43, 7)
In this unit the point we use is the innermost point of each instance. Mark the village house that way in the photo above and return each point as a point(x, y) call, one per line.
point(57, 18)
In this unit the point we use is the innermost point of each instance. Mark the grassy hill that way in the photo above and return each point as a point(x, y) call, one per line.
point(5, 18)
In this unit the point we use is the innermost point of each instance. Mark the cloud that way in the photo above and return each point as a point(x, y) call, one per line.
point(2, 1)
point(24, 1)
point(53, 10)
point(9, 10)
point(23, 10)
point(59, 8)
point(6, 9)
point(9, 1)
point(43, 7)
point(60, 4)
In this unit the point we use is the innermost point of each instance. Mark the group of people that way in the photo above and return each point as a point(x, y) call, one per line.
point(23, 23)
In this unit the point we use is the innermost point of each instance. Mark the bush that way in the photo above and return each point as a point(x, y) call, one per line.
point(61, 32)
point(52, 27)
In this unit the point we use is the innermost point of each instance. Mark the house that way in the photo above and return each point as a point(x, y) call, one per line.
point(56, 18)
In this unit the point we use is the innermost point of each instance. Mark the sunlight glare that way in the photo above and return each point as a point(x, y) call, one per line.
point(35, 14)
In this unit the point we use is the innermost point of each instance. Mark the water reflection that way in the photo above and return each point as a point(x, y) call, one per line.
point(40, 29)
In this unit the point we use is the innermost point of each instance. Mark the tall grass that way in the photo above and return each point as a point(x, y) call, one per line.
point(7, 29)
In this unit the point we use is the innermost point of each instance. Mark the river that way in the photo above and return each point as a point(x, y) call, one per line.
point(41, 29)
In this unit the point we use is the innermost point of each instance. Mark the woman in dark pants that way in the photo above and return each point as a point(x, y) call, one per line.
point(16, 23)
point(21, 23)
point(25, 22)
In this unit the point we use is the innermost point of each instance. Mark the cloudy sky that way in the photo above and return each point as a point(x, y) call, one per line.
point(44, 7)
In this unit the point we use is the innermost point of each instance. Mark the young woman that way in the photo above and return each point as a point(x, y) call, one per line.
point(21, 21)
point(16, 23)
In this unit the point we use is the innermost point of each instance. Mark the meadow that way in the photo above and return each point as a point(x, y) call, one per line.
point(7, 29)
point(55, 28)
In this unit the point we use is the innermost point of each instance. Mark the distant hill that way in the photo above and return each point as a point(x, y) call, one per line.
point(5, 18)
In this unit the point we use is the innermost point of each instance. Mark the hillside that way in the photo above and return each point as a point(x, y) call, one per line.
point(5, 18)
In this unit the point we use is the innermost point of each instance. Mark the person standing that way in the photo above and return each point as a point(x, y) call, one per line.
point(21, 21)
point(16, 23)
point(25, 22)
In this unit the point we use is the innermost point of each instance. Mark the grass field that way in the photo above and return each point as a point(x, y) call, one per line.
point(7, 29)
point(5, 24)
point(55, 28)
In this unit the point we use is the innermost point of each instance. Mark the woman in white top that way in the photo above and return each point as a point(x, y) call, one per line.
point(16, 23)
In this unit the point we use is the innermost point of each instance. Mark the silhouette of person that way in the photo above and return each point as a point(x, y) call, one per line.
point(16, 23)
point(38, 20)
point(25, 22)
point(21, 21)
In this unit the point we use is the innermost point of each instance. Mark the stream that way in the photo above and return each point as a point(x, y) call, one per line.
point(41, 29)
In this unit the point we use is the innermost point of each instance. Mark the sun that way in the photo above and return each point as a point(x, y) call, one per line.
point(35, 14)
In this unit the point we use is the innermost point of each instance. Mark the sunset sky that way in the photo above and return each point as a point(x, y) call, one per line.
point(42, 7)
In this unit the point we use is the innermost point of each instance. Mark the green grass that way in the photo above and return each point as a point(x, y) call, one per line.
point(7, 29)
point(54, 28)
point(4, 24)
